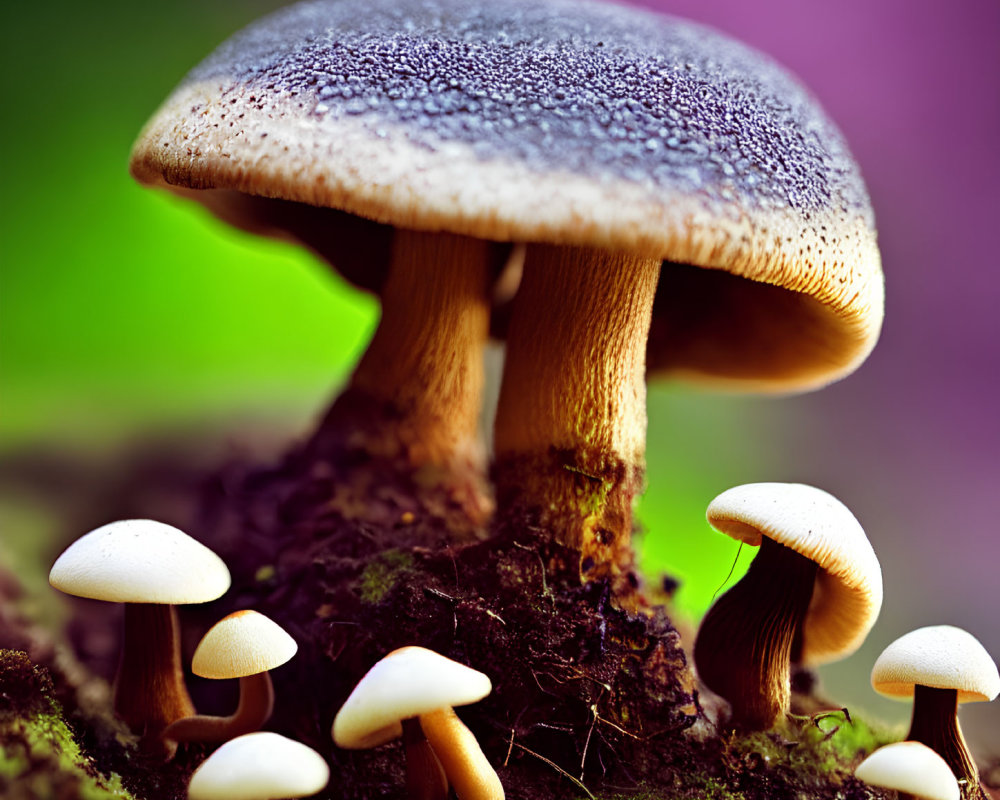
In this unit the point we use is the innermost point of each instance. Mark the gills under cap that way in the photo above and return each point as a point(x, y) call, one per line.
point(910, 767)
point(259, 766)
point(243, 643)
point(567, 123)
point(406, 683)
point(940, 657)
point(140, 561)
point(847, 596)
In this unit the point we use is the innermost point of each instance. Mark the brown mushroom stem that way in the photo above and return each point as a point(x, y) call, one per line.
point(571, 420)
point(465, 765)
point(935, 724)
point(425, 777)
point(149, 689)
point(748, 639)
point(424, 364)
point(254, 709)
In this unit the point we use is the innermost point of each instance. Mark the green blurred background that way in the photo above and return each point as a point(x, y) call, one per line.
point(131, 321)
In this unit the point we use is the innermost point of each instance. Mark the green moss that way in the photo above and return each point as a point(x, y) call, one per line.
point(39, 756)
point(379, 577)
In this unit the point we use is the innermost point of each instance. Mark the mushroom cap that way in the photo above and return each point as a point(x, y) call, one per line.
point(242, 643)
point(406, 683)
point(847, 597)
point(938, 656)
point(563, 122)
point(910, 767)
point(259, 766)
point(140, 561)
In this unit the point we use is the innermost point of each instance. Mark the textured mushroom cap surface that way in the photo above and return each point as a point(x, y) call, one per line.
point(910, 767)
point(406, 683)
point(140, 561)
point(938, 656)
point(564, 122)
point(259, 766)
point(847, 596)
point(243, 643)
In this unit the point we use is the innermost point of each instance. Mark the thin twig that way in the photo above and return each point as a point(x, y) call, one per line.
point(557, 768)
point(545, 583)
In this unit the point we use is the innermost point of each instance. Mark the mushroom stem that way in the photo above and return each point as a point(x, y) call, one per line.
point(425, 777)
point(254, 709)
point(746, 642)
point(571, 420)
point(935, 724)
point(424, 364)
point(149, 689)
point(465, 765)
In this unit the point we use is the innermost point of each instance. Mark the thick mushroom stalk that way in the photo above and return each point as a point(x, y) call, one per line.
point(254, 709)
point(425, 778)
point(149, 690)
point(935, 724)
point(571, 419)
point(423, 370)
point(750, 637)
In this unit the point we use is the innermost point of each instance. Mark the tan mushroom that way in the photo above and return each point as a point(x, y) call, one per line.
point(608, 139)
point(150, 567)
point(410, 693)
point(244, 645)
point(939, 666)
point(912, 769)
point(811, 595)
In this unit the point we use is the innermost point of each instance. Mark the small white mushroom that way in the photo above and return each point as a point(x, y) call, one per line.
point(909, 767)
point(259, 766)
point(150, 567)
point(244, 645)
point(939, 666)
point(810, 596)
point(411, 692)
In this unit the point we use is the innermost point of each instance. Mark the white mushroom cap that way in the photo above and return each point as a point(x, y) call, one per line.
point(406, 683)
point(847, 597)
point(259, 766)
point(243, 643)
point(938, 656)
point(910, 767)
point(140, 561)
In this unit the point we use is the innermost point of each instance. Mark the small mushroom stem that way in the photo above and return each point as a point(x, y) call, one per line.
point(254, 709)
point(746, 642)
point(935, 724)
point(425, 777)
point(571, 421)
point(149, 690)
point(465, 765)
point(424, 364)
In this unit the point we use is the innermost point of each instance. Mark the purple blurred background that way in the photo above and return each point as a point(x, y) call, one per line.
point(911, 441)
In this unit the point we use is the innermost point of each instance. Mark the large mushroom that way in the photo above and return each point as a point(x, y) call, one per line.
point(811, 595)
point(150, 567)
point(608, 139)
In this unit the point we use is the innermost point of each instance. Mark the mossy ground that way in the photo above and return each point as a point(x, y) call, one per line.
point(589, 701)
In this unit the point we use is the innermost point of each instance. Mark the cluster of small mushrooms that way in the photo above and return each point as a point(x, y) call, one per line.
point(811, 595)
point(677, 204)
point(151, 567)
